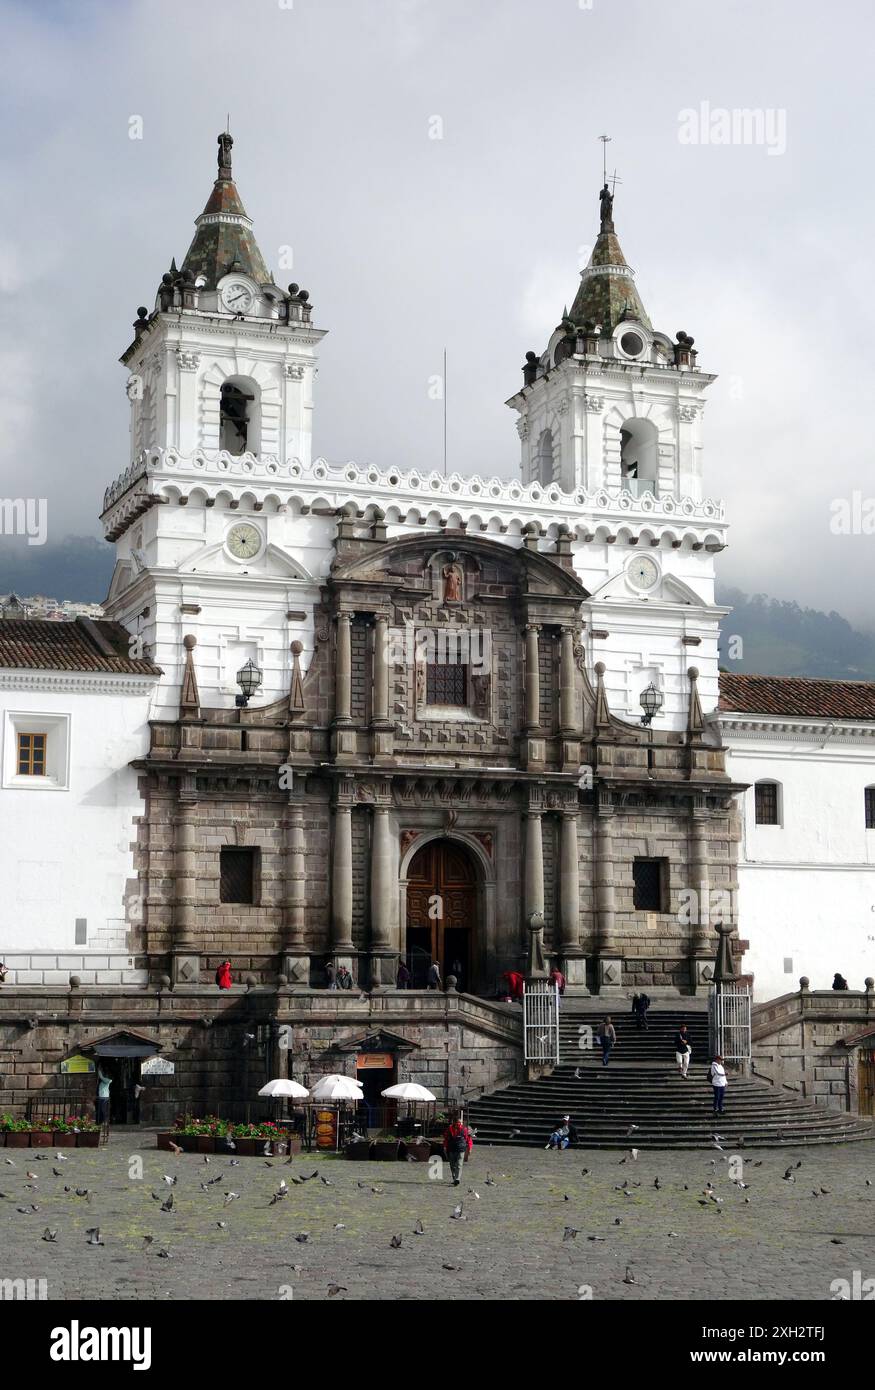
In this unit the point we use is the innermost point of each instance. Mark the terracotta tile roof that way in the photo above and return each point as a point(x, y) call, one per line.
point(84, 645)
point(797, 697)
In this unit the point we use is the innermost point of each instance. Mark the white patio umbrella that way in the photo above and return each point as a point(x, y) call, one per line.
point(332, 1088)
point(408, 1090)
point(283, 1087)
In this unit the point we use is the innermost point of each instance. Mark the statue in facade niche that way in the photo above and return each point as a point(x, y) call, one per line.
point(452, 577)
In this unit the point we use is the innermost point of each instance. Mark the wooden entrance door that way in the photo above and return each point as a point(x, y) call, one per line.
point(442, 910)
point(867, 1081)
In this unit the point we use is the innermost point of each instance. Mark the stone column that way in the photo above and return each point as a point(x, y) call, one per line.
point(381, 671)
point(296, 960)
point(703, 943)
point(341, 885)
point(533, 680)
point(343, 670)
point(534, 894)
point(384, 879)
point(186, 958)
point(610, 963)
point(570, 950)
point(567, 710)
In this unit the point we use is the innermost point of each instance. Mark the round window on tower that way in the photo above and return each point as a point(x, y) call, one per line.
point(632, 344)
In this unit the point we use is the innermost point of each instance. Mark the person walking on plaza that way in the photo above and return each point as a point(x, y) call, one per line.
point(434, 975)
point(717, 1077)
point(683, 1049)
point(223, 975)
point(563, 1135)
point(607, 1036)
point(458, 1144)
point(331, 975)
point(403, 977)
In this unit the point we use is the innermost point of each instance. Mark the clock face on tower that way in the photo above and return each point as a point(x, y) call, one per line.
point(237, 297)
point(642, 572)
point(244, 541)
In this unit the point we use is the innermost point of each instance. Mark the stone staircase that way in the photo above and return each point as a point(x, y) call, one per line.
point(641, 1087)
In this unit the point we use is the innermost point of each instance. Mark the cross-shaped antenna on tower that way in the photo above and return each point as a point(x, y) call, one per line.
point(615, 179)
point(606, 140)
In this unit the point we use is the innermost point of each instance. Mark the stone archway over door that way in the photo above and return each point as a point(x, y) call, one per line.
point(442, 911)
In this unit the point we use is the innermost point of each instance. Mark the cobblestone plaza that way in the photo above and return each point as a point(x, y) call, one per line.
point(772, 1240)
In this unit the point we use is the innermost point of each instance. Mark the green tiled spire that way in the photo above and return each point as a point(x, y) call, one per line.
point(224, 239)
point(607, 292)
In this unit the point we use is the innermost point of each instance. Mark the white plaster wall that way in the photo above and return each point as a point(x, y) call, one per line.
point(66, 853)
point(807, 887)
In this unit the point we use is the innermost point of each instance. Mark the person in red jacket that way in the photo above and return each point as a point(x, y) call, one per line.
point(458, 1143)
point(223, 975)
point(514, 983)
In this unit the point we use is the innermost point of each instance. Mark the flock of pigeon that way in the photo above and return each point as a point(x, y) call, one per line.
point(709, 1198)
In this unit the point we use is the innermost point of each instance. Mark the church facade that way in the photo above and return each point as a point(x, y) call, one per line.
point(378, 715)
point(447, 736)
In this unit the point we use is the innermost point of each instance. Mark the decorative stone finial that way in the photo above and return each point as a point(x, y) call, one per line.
point(804, 983)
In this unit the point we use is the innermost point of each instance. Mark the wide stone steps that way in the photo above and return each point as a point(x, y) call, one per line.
point(641, 1087)
point(578, 1041)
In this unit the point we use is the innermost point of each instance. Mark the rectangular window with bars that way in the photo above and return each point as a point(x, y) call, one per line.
point(447, 684)
point(237, 875)
point(870, 808)
point(766, 803)
point(32, 755)
point(650, 885)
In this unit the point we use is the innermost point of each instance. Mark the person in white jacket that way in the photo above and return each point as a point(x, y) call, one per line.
point(717, 1077)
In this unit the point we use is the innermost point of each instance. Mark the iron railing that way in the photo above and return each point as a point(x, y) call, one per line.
point(541, 1022)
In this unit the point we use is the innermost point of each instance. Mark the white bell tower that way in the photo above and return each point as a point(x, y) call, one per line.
point(610, 417)
point(611, 403)
point(220, 382)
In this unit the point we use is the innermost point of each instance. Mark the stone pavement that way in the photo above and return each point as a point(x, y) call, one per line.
point(779, 1245)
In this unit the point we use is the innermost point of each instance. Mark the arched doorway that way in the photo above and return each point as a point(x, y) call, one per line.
point(442, 901)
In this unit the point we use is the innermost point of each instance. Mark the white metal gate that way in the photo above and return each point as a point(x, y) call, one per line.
point(541, 1022)
point(729, 1023)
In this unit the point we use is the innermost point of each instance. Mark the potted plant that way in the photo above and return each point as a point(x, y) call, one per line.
point(417, 1147)
point(17, 1133)
point(386, 1146)
point(357, 1148)
point(41, 1135)
point(87, 1131)
point(63, 1134)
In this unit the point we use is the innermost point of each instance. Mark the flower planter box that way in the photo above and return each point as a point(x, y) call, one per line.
point(17, 1139)
point(358, 1149)
point(41, 1139)
point(63, 1140)
point(88, 1139)
point(384, 1150)
point(421, 1151)
point(246, 1147)
point(2, 1138)
point(205, 1143)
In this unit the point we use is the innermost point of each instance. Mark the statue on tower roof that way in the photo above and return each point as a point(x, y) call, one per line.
point(606, 206)
point(226, 142)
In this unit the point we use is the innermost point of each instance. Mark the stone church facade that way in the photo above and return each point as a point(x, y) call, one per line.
point(391, 714)
point(434, 754)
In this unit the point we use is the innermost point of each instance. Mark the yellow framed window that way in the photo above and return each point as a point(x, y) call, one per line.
point(32, 755)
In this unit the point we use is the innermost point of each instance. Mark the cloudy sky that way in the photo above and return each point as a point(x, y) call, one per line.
point(409, 244)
